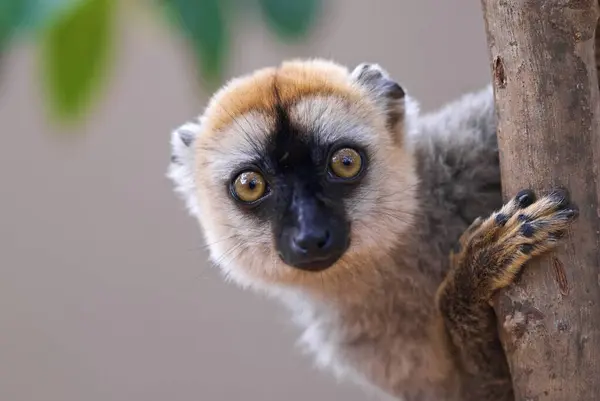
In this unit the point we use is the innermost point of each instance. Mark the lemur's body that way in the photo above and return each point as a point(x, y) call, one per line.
point(457, 163)
point(391, 309)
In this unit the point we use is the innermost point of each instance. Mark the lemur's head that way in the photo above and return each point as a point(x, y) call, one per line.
point(299, 175)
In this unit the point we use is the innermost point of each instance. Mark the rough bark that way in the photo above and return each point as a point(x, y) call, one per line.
point(543, 61)
point(597, 51)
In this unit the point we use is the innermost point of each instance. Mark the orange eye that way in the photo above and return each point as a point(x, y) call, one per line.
point(346, 163)
point(249, 186)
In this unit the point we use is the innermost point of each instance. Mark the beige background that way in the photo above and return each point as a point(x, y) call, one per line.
point(105, 293)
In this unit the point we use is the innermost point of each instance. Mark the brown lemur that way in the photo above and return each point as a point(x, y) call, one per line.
point(323, 186)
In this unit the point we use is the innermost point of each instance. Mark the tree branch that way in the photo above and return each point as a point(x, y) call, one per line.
point(548, 105)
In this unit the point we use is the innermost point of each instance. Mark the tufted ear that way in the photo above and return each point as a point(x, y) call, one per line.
point(180, 170)
point(387, 93)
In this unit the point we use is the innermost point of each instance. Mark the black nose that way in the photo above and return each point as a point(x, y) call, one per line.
point(314, 241)
point(314, 247)
point(311, 236)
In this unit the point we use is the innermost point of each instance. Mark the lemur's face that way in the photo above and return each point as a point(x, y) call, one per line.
point(299, 174)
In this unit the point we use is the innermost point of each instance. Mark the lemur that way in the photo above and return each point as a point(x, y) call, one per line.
point(384, 231)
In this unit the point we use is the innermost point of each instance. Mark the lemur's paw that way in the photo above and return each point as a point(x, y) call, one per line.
point(496, 248)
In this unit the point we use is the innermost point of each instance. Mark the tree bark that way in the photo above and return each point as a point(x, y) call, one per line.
point(548, 107)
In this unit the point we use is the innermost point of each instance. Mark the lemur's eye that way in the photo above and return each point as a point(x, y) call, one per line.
point(346, 163)
point(249, 187)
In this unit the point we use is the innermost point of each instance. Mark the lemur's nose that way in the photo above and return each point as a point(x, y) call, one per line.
point(312, 240)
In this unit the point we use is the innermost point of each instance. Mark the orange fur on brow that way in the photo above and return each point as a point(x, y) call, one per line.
point(267, 87)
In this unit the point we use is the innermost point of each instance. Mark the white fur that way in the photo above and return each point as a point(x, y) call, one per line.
point(180, 171)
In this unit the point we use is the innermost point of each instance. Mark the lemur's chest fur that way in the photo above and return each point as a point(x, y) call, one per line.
point(377, 337)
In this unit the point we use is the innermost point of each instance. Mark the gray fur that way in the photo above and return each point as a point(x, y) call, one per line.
point(388, 93)
point(456, 150)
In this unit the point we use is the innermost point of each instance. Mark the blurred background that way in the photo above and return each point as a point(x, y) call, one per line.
point(105, 292)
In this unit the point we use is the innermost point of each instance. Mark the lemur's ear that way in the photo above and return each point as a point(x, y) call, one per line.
point(386, 92)
point(182, 162)
point(182, 139)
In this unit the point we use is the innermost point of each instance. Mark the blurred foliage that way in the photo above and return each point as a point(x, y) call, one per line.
point(204, 24)
point(11, 12)
point(289, 18)
point(77, 38)
point(74, 54)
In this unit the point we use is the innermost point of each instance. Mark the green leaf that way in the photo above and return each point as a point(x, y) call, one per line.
point(203, 23)
point(41, 13)
point(290, 18)
point(75, 53)
point(17, 16)
point(12, 13)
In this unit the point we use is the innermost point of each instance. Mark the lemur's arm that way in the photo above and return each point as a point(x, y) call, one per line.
point(488, 257)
